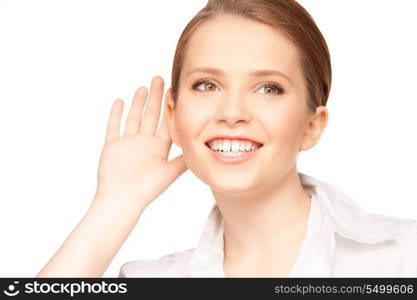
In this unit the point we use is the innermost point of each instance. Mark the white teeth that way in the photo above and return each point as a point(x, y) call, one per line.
point(226, 146)
point(231, 153)
point(235, 146)
point(229, 146)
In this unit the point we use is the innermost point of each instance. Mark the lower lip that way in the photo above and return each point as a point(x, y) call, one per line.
point(232, 159)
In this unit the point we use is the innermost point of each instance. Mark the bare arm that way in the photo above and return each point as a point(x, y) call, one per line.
point(92, 245)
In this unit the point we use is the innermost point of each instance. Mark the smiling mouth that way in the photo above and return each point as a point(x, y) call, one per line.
point(233, 154)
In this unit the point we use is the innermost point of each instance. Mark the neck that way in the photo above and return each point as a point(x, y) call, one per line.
point(266, 220)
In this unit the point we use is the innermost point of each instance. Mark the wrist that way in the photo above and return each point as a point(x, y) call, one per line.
point(115, 205)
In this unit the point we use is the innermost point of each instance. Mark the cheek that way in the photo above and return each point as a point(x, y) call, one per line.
point(190, 120)
point(285, 126)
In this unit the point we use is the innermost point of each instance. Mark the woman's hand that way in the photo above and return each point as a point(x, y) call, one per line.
point(134, 168)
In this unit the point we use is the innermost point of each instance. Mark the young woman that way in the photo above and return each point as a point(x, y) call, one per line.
point(250, 82)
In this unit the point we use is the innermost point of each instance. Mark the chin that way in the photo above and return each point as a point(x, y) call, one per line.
point(240, 185)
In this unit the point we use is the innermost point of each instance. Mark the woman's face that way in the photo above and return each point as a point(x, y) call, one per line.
point(234, 100)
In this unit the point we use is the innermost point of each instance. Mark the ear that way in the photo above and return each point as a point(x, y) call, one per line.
point(315, 128)
point(170, 109)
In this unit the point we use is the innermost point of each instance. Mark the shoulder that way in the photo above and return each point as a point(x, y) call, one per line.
point(170, 265)
point(405, 228)
point(396, 256)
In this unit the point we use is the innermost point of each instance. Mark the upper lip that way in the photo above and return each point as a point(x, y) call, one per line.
point(234, 137)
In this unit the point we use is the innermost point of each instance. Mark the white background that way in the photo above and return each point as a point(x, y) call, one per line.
point(63, 63)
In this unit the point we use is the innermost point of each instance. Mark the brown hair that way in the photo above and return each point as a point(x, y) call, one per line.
point(287, 16)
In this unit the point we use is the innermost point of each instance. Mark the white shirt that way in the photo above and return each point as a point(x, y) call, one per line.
point(341, 240)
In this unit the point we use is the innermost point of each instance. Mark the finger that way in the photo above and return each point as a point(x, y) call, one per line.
point(163, 131)
point(150, 119)
point(113, 125)
point(135, 112)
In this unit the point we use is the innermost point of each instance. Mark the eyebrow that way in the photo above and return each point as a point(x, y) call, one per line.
point(255, 73)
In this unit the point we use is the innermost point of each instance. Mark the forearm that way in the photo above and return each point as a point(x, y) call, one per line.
point(92, 245)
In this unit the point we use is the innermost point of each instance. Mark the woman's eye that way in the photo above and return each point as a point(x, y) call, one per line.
point(207, 86)
point(273, 89)
point(269, 88)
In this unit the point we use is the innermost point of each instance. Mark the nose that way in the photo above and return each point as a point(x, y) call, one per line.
point(233, 108)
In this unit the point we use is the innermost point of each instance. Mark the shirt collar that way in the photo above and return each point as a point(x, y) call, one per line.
point(332, 212)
